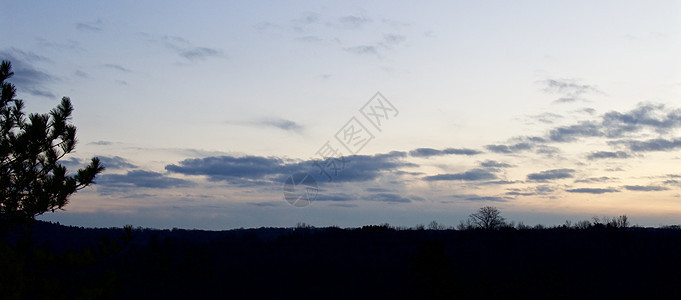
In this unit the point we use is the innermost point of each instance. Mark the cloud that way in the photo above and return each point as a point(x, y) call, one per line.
point(612, 125)
point(117, 67)
point(266, 204)
point(547, 118)
point(616, 125)
point(544, 189)
point(645, 188)
point(659, 144)
point(572, 132)
point(519, 192)
point(81, 74)
point(547, 151)
point(336, 197)
point(530, 191)
point(310, 39)
point(673, 182)
point(27, 77)
point(272, 122)
point(302, 23)
point(344, 205)
point(199, 53)
point(428, 152)
point(69, 45)
point(607, 154)
point(370, 167)
point(654, 116)
point(230, 168)
point(487, 198)
point(100, 143)
point(377, 190)
point(116, 162)
point(494, 164)
point(362, 50)
point(498, 182)
point(308, 26)
point(551, 175)
point(482, 198)
point(306, 19)
point(592, 190)
point(388, 197)
point(185, 49)
point(569, 90)
point(272, 169)
point(509, 149)
point(586, 110)
point(90, 26)
point(390, 40)
point(594, 179)
point(71, 163)
point(283, 124)
point(471, 175)
point(141, 179)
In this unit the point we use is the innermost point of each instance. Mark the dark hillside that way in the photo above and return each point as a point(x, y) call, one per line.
point(371, 262)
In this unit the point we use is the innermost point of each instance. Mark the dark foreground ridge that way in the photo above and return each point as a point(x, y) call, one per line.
point(60, 262)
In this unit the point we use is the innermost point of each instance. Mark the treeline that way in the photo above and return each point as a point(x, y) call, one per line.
point(50, 261)
point(490, 218)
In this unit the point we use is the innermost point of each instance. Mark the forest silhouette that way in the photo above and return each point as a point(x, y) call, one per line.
point(598, 259)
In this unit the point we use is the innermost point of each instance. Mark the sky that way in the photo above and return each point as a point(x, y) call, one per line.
point(209, 114)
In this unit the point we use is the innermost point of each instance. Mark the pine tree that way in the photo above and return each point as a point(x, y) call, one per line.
point(32, 181)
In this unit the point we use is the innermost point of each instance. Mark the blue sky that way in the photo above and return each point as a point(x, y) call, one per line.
point(548, 110)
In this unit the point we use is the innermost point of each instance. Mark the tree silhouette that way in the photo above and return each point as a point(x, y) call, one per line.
point(487, 217)
point(32, 181)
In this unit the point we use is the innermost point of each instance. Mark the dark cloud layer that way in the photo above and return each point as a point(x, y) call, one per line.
point(594, 179)
point(471, 175)
point(230, 168)
point(116, 162)
point(141, 179)
point(335, 197)
point(592, 190)
point(388, 197)
point(572, 132)
point(645, 188)
point(343, 169)
point(654, 116)
point(428, 152)
point(617, 125)
point(27, 77)
point(492, 164)
point(607, 154)
point(531, 191)
point(618, 128)
point(658, 144)
point(551, 175)
point(477, 198)
point(509, 148)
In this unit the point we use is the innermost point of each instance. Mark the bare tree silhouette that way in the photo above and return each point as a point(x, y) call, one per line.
point(487, 217)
